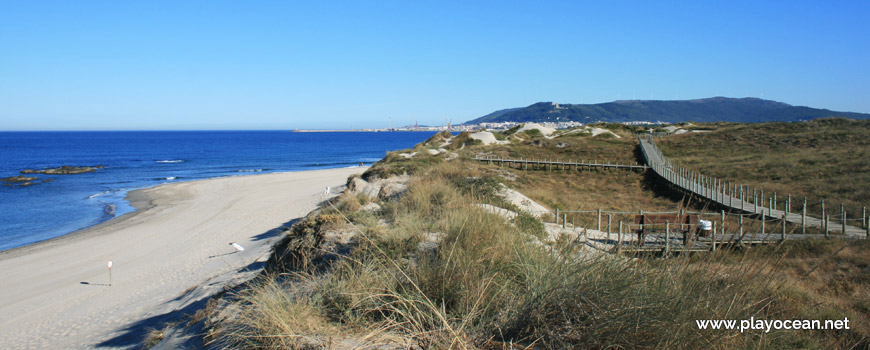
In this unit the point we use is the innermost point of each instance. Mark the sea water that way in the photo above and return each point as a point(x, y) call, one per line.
point(140, 159)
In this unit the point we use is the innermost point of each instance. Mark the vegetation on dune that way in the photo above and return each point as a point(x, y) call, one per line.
point(432, 269)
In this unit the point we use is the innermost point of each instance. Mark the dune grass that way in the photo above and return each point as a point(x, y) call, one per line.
point(488, 284)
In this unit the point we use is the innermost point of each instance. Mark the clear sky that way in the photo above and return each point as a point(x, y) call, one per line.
point(95, 65)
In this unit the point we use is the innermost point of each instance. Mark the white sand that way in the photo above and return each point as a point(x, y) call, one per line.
point(546, 131)
point(55, 294)
point(486, 137)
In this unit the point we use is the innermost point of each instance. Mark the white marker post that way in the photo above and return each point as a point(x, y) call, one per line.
point(110, 272)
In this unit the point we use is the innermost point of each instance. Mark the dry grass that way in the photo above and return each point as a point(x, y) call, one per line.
point(488, 285)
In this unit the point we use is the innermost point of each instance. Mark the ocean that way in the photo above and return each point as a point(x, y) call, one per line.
point(140, 159)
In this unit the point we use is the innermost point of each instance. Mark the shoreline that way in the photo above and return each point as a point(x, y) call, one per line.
point(169, 254)
point(139, 200)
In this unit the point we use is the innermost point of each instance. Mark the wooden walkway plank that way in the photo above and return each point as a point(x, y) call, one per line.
point(577, 165)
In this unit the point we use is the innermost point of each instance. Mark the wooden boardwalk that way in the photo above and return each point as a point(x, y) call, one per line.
point(558, 164)
point(659, 242)
point(725, 195)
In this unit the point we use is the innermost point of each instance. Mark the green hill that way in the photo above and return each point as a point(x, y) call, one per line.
point(716, 109)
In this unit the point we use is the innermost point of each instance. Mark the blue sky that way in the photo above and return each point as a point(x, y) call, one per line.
point(87, 65)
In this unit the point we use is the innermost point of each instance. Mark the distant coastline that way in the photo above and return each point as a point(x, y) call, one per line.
point(364, 130)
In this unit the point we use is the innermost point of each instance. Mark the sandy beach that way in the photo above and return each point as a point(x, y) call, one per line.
point(170, 254)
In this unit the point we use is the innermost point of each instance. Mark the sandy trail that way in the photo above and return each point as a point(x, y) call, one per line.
point(55, 294)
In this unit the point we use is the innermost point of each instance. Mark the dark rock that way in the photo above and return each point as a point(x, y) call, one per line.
point(561, 145)
point(19, 178)
point(64, 170)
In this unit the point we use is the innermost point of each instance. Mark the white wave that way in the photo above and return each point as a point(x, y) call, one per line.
point(98, 194)
point(171, 161)
point(171, 178)
point(249, 170)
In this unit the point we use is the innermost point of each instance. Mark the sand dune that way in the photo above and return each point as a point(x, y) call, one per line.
point(167, 256)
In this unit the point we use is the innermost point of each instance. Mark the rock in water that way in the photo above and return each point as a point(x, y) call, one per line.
point(64, 170)
point(18, 178)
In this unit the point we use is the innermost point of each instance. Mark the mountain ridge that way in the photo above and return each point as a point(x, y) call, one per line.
point(711, 109)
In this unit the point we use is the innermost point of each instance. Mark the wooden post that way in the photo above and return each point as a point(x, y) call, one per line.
point(619, 239)
point(843, 211)
point(763, 220)
point(826, 218)
point(740, 225)
point(804, 217)
point(599, 219)
point(641, 220)
point(866, 228)
point(564, 220)
point(783, 228)
point(824, 214)
point(774, 201)
point(730, 194)
point(609, 218)
point(713, 236)
point(667, 238)
point(761, 197)
point(864, 216)
point(557, 216)
point(788, 204)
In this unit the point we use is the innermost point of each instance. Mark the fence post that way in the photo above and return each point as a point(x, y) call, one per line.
point(804, 217)
point(557, 216)
point(740, 225)
point(774, 200)
point(864, 216)
point(824, 215)
point(730, 195)
point(619, 239)
point(761, 197)
point(599, 219)
point(609, 218)
point(564, 220)
point(843, 211)
point(667, 238)
point(783, 227)
point(788, 204)
point(827, 218)
point(713, 236)
point(866, 228)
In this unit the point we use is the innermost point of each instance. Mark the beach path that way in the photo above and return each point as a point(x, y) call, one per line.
point(166, 257)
